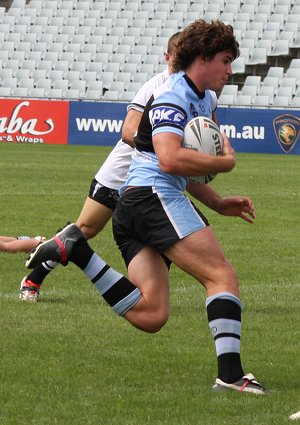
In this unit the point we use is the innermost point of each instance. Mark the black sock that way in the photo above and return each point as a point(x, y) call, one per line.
point(224, 316)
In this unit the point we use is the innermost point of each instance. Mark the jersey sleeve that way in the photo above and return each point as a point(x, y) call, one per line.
point(145, 92)
point(167, 115)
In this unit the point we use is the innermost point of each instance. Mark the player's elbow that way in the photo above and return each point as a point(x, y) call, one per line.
point(167, 166)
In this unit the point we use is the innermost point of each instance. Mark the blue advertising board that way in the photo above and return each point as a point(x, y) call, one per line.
point(256, 130)
point(261, 130)
point(95, 123)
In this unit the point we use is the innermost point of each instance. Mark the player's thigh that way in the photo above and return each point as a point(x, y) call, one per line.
point(149, 272)
point(93, 217)
point(201, 255)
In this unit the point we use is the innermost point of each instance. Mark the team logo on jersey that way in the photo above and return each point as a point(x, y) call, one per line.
point(202, 109)
point(287, 129)
point(166, 115)
point(193, 110)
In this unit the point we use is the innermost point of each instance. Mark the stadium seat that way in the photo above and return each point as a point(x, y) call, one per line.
point(133, 68)
point(93, 95)
point(20, 92)
point(113, 67)
point(33, 55)
point(97, 67)
point(8, 73)
point(79, 66)
point(295, 63)
point(296, 42)
point(248, 43)
point(10, 82)
point(19, 73)
point(71, 94)
point(5, 91)
point(293, 73)
point(281, 48)
point(271, 81)
point(245, 100)
point(265, 44)
point(125, 77)
point(27, 83)
point(258, 56)
point(268, 91)
point(231, 89)
point(281, 101)
point(127, 96)
point(238, 65)
point(295, 102)
point(257, 26)
point(275, 71)
point(110, 95)
point(249, 8)
point(78, 85)
point(86, 76)
point(140, 77)
point(250, 91)
point(118, 86)
point(95, 86)
point(285, 92)
point(291, 82)
point(272, 26)
point(44, 83)
point(261, 100)
point(226, 99)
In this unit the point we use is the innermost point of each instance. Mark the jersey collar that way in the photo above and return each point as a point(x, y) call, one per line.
point(201, 95)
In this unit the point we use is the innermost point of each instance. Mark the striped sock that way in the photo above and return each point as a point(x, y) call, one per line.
point(115, 288)
point(40, 272)
point(224, 317)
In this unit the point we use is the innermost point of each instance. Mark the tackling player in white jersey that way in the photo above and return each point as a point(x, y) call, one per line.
point(103, 195)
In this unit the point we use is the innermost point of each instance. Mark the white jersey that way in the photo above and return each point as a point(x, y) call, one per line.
point(113, 172)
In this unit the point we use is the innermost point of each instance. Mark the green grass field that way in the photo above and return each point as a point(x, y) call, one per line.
point(69, 360)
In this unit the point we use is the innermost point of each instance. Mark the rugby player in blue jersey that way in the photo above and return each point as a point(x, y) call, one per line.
point(155, 224)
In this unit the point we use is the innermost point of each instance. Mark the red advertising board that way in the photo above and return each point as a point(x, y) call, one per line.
point(34, 121)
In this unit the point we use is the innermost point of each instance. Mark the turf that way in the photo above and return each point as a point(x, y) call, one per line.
point(70, 360)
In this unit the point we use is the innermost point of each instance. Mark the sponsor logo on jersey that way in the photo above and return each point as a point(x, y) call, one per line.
point(287, 129)
point(166, 115)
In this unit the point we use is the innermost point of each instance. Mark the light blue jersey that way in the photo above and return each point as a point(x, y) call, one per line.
point(172, 105)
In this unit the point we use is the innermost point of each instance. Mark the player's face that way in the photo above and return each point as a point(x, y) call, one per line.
point(218, 70)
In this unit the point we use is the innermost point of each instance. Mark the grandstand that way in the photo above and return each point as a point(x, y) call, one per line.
point(105, 50)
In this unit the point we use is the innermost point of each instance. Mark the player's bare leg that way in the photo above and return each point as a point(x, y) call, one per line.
point(93, 218)
point(200, 255)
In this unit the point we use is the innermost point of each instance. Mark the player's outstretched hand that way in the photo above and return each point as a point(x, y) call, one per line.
point(237, 206)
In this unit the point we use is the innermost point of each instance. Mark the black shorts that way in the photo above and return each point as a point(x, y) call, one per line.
point(142, 219)
point(104, 195)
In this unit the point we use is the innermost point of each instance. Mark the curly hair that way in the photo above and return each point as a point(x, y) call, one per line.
point(204, 39)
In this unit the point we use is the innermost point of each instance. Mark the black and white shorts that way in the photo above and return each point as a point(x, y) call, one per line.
point(104, 195)
point(159, 217)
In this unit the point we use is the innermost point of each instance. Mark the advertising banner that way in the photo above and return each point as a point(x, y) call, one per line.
point(256, 130)
point(261, 130)
point(33, 121)
point(94, 123)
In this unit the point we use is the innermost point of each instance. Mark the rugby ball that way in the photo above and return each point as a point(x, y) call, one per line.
point(203, 135)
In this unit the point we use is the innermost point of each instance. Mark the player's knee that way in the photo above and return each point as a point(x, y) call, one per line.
point(155, 321)
point(223, 276)
point(150, 320)
point(88, 231)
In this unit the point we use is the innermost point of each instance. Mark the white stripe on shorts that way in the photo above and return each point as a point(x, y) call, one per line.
point(180, 211)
